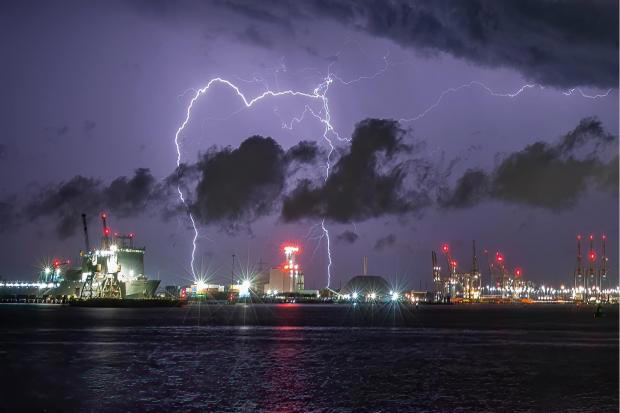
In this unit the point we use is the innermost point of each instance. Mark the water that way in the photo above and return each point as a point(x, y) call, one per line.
point(310, 358)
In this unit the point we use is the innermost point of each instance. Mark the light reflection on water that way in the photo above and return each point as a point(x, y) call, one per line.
point(321, 358)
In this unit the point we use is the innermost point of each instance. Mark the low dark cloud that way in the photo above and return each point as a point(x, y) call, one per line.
point(65, 202)
point(237, 186)
point(385, 242)
point(367, 181)
point(89, 125)
point(348, 237)
point(551, 176)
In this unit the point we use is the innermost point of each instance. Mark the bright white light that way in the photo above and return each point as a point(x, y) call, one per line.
point(244, 290)
point(373, 295)
point(47, 270)
point(394, 296)
point(355, 296)
point(290, 249)
point(113, 248)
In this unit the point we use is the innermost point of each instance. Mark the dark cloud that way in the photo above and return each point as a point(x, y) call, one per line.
point(7, 214)
point(367, 181)
point(89, 125)
point(385, 242)
point(470, 189)
point(348, 237)
point(556, 43)
point(237, 186)
point(545, 175)
point(255, 37)
point(127, 195)
point(66, 201)
point(303, 152)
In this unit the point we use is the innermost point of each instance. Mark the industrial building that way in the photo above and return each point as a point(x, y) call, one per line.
point(456, 285)
point(591, 285)
point(288, 277)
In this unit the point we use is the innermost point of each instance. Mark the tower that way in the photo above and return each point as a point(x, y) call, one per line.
point(474, 279)
point(437, 277)
point(591, 284)
point(603, 272)
point(296, 278)
point(579, 279)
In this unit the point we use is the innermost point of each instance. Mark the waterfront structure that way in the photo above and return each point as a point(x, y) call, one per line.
point(457, 285)
point(366, 287)
point(288, 277)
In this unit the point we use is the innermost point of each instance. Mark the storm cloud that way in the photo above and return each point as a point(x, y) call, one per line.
point(66, 201)
point(348, 237)
point(556, 43)
point(385, 242)
point(237, 186)
point(550, 176)
point(367, 181)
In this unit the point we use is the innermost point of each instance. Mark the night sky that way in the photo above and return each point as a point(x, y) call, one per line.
point(437, 144)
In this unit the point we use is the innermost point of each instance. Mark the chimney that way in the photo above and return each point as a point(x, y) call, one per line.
point(365, 265)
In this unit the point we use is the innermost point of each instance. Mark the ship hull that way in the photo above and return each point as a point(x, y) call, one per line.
point(138, 289)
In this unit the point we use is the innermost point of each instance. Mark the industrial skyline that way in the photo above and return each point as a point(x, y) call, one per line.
point(519, 157)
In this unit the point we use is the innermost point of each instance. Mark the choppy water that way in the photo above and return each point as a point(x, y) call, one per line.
point(299, 358)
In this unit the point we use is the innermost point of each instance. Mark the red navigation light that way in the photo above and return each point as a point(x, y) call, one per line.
point(56, 262)
point(453, 263)
point(116, 234)
point(604, 236)
point(131, 235)
point(518, 272)
point(106, 231)
point(591, 237)
point(103, 215)
point(592, 256)
point(499, 257)
point(445, 248)
point(578, 237)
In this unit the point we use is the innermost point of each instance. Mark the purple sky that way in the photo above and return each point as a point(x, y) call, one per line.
point(99, 90)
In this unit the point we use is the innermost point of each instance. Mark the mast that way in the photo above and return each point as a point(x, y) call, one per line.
point(86, 241)
point(106, 231)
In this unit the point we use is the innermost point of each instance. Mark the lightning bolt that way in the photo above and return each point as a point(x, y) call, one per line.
point(319, 93)
point(324, 117)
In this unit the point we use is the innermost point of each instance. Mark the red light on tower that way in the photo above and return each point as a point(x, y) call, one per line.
point(445, 248)
point(591, 237)
point(578, 237)
point(499, 257)
point(453, 263)
point(604, 236)
point(103, 215)
point(106, 231)
point(592, 256)
point(518, 272)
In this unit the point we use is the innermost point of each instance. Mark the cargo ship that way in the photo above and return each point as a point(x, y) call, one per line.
point(114, 270)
